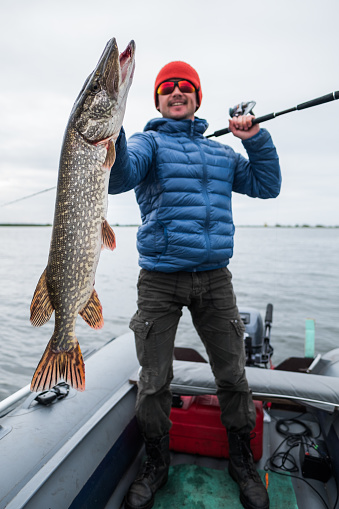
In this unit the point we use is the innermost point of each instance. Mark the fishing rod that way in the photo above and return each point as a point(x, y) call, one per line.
point(245, 108)
point(28, 196)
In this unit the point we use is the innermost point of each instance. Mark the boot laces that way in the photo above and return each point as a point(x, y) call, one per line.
point(149, 467)
point(248, 459)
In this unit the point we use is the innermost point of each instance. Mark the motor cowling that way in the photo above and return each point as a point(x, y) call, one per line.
point(257, 335)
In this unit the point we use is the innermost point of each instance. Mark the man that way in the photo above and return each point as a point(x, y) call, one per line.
point(183, 184)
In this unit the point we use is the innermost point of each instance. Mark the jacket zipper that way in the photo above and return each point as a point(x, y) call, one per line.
point(207, 202)
point(205, 194)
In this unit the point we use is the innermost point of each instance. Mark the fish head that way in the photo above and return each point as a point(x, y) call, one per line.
point(99, 109)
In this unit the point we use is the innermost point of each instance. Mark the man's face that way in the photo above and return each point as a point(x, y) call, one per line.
point(178, 105)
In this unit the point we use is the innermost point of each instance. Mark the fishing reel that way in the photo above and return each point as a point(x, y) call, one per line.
point(243, 108)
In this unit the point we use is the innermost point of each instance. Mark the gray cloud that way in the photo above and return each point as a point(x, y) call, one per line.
point(278, 53)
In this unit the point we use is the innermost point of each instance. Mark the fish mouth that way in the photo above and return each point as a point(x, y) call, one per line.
point(99, 109)
point(126, 59)
point(117, 68)
point(111, 71)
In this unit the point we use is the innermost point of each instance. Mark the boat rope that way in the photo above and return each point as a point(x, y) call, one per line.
point(27, 196)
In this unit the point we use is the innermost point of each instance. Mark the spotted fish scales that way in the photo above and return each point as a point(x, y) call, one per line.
point(80, 229)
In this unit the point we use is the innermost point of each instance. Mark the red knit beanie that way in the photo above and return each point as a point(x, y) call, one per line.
point(178, 70)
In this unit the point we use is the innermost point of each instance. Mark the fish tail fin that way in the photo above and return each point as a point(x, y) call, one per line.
point(54, 366)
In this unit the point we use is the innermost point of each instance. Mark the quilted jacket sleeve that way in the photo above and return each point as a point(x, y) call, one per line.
point(132, 162)
point(259, 176)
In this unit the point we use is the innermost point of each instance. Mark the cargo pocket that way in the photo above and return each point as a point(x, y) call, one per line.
point(239, 327)
point(237, 331)
point(145, 344)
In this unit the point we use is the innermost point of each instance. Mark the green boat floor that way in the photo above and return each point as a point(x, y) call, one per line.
point(195, 487)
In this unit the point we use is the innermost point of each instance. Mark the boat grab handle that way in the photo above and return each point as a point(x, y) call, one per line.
point(59, 391)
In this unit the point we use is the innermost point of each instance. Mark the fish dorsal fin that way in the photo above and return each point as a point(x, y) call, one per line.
point(110, 156)
point(107, 236)
point(92, 312)
point(41, 306)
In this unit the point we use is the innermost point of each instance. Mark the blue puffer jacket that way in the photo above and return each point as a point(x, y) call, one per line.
point(183, 184)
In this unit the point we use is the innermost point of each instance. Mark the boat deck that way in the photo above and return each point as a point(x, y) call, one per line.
point(191, 483)
point(80, 446)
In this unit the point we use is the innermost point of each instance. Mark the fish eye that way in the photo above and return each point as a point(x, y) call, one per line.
point(95, 87)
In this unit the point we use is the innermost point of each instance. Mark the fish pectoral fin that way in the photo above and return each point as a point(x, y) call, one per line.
point(56, 365)
point(92, 312)
point(110, 156)
point(107, 236)
point(41, 306)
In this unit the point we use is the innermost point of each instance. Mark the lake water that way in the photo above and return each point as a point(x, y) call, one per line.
point(296, 269)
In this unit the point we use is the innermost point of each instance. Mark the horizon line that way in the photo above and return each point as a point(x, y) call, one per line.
point(265, 225)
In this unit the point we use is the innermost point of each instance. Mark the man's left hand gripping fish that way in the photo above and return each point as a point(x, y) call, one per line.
point(80, 229)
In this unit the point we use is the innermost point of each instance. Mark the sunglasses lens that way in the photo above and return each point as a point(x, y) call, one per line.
point(165, 88)
point(168, 86)
point(186, 87)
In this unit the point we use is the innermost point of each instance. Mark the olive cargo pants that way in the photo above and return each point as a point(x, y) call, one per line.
point(210, 298)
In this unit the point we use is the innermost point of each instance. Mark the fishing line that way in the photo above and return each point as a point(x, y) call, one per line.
point(26, 197)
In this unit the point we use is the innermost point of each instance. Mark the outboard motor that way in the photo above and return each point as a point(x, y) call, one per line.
point(257, 336)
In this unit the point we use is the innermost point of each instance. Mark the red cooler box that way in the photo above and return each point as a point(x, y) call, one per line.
point(197, 428)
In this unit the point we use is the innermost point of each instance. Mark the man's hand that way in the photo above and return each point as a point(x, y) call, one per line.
point(242, 127)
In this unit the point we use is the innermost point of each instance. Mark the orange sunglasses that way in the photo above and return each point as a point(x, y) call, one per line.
point(167, 87)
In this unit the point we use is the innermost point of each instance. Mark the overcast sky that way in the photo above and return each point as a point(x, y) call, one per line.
point(279, 53)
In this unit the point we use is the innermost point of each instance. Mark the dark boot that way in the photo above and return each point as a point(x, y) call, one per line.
point(152, 476)
point(253, 494)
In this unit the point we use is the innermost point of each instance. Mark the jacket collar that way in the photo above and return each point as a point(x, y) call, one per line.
point(195, 127)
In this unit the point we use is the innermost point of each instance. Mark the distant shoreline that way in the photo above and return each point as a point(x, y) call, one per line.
point(33, 225)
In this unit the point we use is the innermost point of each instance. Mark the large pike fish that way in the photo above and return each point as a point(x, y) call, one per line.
point(80, 229)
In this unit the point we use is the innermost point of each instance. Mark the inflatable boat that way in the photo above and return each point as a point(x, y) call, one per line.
point(66, 449)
